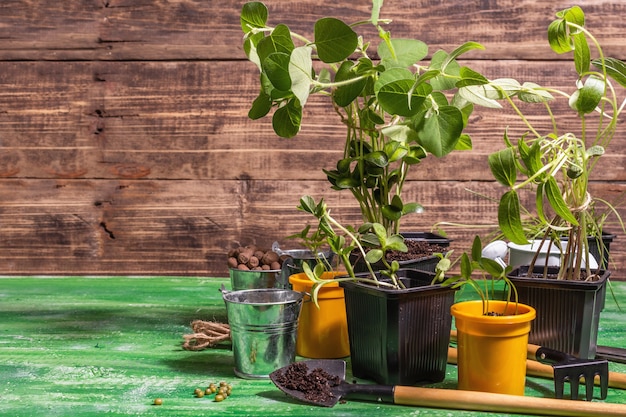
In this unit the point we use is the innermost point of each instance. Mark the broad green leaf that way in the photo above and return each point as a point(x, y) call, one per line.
point(374, 255)
point(615, 68)
point(531, 156)
point(278, 41)
point(502, 165)
point(573, 15)
point(415, 155)
point(441, 82)
point(501, 88)
point(558, 37)
point(378, 158)
point(394, 98)
point(559, 32)
point(335, 41)
point(464, 143)
point(406, 52)
point(555, 198)
point(393, 177)
point(492, 267)
point(391, 212)
point(396, 242)
point(466, 266)
point(509, 218)
point(380, 232)
point(586, 99)
point(276, 67)
point(440, 132)
point(253, 15)
point(412, 208)
point(249, 47)
point(533, 93)
point(268, 88)
point(439, 98)
point(396, 201)
point(307, 204)
point(300, 70)
point(477, 94)
point(346, 182)
point(442, 267)
point(432, 75)
point(470, 77)
point(391, 75)
point(261, 106)
point(394, 150)
point(286, 120)
point(574, 171)
point(399, 133)
point(343, 165)
point(596, 150)
point(336, 243)
point(346, 94)
point(477, 249)
point(581, 53)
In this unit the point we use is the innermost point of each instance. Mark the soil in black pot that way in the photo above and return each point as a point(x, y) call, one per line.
point(416, 249)
point(554, 275)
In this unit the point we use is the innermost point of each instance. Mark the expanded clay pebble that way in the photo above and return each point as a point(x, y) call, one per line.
point(254, 259)
point(221, 391)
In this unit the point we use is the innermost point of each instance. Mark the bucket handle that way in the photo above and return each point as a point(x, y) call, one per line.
point(223, 290)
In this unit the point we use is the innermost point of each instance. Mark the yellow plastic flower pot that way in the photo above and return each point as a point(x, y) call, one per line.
point(323, 332)
point(492, 348)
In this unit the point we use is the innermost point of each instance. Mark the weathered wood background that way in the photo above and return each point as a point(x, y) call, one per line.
point(125, 146)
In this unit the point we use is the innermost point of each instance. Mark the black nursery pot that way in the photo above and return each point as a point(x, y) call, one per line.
point(399, 336)
point(568, 312)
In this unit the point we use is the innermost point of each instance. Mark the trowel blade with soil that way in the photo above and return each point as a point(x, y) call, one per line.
point(306, 377)
point(325, 383)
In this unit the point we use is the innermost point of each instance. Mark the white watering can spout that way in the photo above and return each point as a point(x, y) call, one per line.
point(496, 251)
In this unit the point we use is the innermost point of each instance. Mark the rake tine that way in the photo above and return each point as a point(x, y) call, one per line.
point(573, 386)
point(559, 383)
point(589, 385)
point(604, 380)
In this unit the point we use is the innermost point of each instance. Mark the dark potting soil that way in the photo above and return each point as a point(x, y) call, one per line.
point(550, 275)
point(416, 249)
point(316, 385)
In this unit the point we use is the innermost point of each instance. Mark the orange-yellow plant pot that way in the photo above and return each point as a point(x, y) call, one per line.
point(492, 348)
point(323, 332)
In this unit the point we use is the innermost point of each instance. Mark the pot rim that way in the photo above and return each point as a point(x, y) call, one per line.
point(467, 310)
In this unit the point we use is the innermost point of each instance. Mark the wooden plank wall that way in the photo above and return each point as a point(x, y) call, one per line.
point(125, 146)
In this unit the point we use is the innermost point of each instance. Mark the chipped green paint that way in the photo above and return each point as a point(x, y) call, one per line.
point(87, 346)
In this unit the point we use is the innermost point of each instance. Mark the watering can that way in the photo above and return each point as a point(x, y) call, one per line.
point(549, 254)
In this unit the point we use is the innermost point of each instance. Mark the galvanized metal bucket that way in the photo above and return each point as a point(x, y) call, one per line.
point(250, 279)
point(263, 326)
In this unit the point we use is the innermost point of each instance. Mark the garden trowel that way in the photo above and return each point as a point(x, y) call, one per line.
point(298, 378)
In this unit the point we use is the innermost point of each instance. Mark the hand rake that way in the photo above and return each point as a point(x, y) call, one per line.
point(572, 369)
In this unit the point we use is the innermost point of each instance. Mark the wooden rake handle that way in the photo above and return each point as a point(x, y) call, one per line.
point(503, 403)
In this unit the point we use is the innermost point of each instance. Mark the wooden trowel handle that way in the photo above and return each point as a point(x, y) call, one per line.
point(502, 403)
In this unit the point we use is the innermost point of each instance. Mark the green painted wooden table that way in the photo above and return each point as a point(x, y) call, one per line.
point(85, 346)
